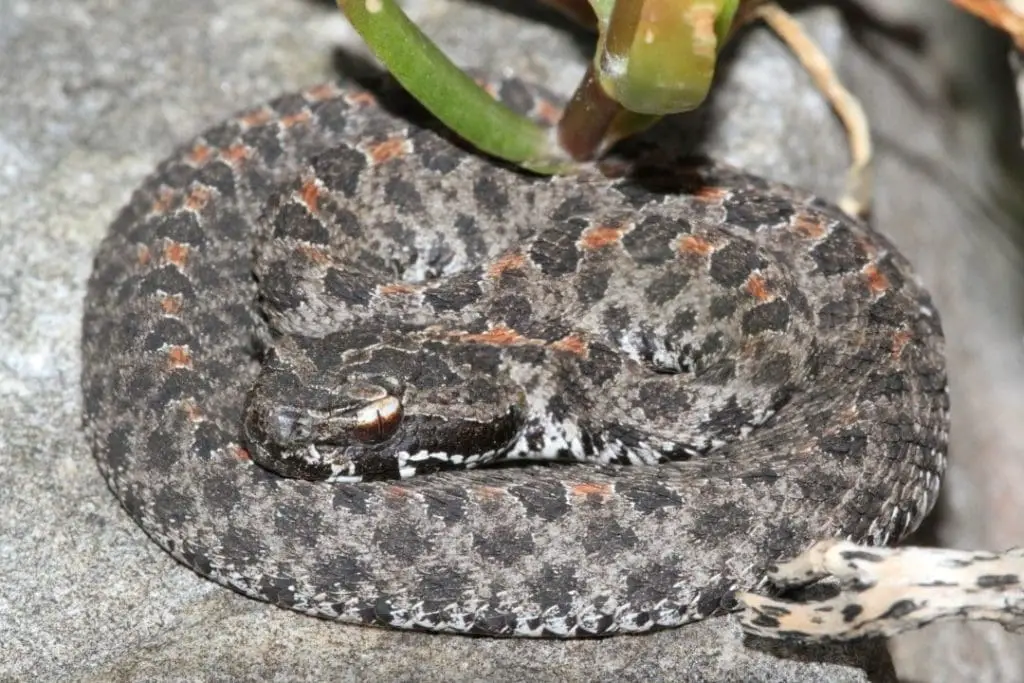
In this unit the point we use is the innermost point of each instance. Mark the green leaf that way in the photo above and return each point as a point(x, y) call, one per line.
point(447, 92)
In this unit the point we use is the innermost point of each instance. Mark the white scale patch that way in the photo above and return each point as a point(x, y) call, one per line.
point(557, 439)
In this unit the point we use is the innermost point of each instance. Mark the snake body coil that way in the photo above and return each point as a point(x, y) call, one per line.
point(416, 310)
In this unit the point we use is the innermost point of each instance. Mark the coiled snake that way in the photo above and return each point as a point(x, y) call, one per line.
point(416, 309)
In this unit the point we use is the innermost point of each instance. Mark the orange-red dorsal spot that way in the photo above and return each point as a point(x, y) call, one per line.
point(397, 493)
point(499, 335)
point(163, 202)
point(200, 154)
point(600, 236)
point(899, 342)
point(396, 289)
point(808, 226)
point(392, 148)
point(256, 118)
point(573, 344)
point(692, 244)
point(508, 262)
point(198, 198)
point(295, 119)
point(179, 357)
point(235, 154)
point(170, 304)
point(876, 280)
point(176, 253)
point(309, 195)
point(757, 287)
point(589, 489)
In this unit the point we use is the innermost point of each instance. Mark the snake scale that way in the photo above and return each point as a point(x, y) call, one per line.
point(325, 285)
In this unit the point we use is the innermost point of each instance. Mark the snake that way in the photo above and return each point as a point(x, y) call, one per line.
point(337, 361)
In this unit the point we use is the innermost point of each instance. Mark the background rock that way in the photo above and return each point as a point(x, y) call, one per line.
point(96, 92)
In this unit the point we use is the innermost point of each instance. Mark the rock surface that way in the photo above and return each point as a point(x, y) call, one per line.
point(96, 92)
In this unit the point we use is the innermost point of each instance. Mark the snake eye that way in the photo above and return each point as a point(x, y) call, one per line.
point(378, 420)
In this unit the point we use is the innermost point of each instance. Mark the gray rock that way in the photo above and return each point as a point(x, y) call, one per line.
point(96, 92)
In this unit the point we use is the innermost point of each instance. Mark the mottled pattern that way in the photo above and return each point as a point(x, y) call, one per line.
point(780, 355)
point(886, 591)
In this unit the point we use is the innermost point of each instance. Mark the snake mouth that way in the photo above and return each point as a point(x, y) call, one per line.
point(422, 445)
point(372, 440)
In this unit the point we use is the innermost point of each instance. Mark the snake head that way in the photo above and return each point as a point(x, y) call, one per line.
point(321, 411)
